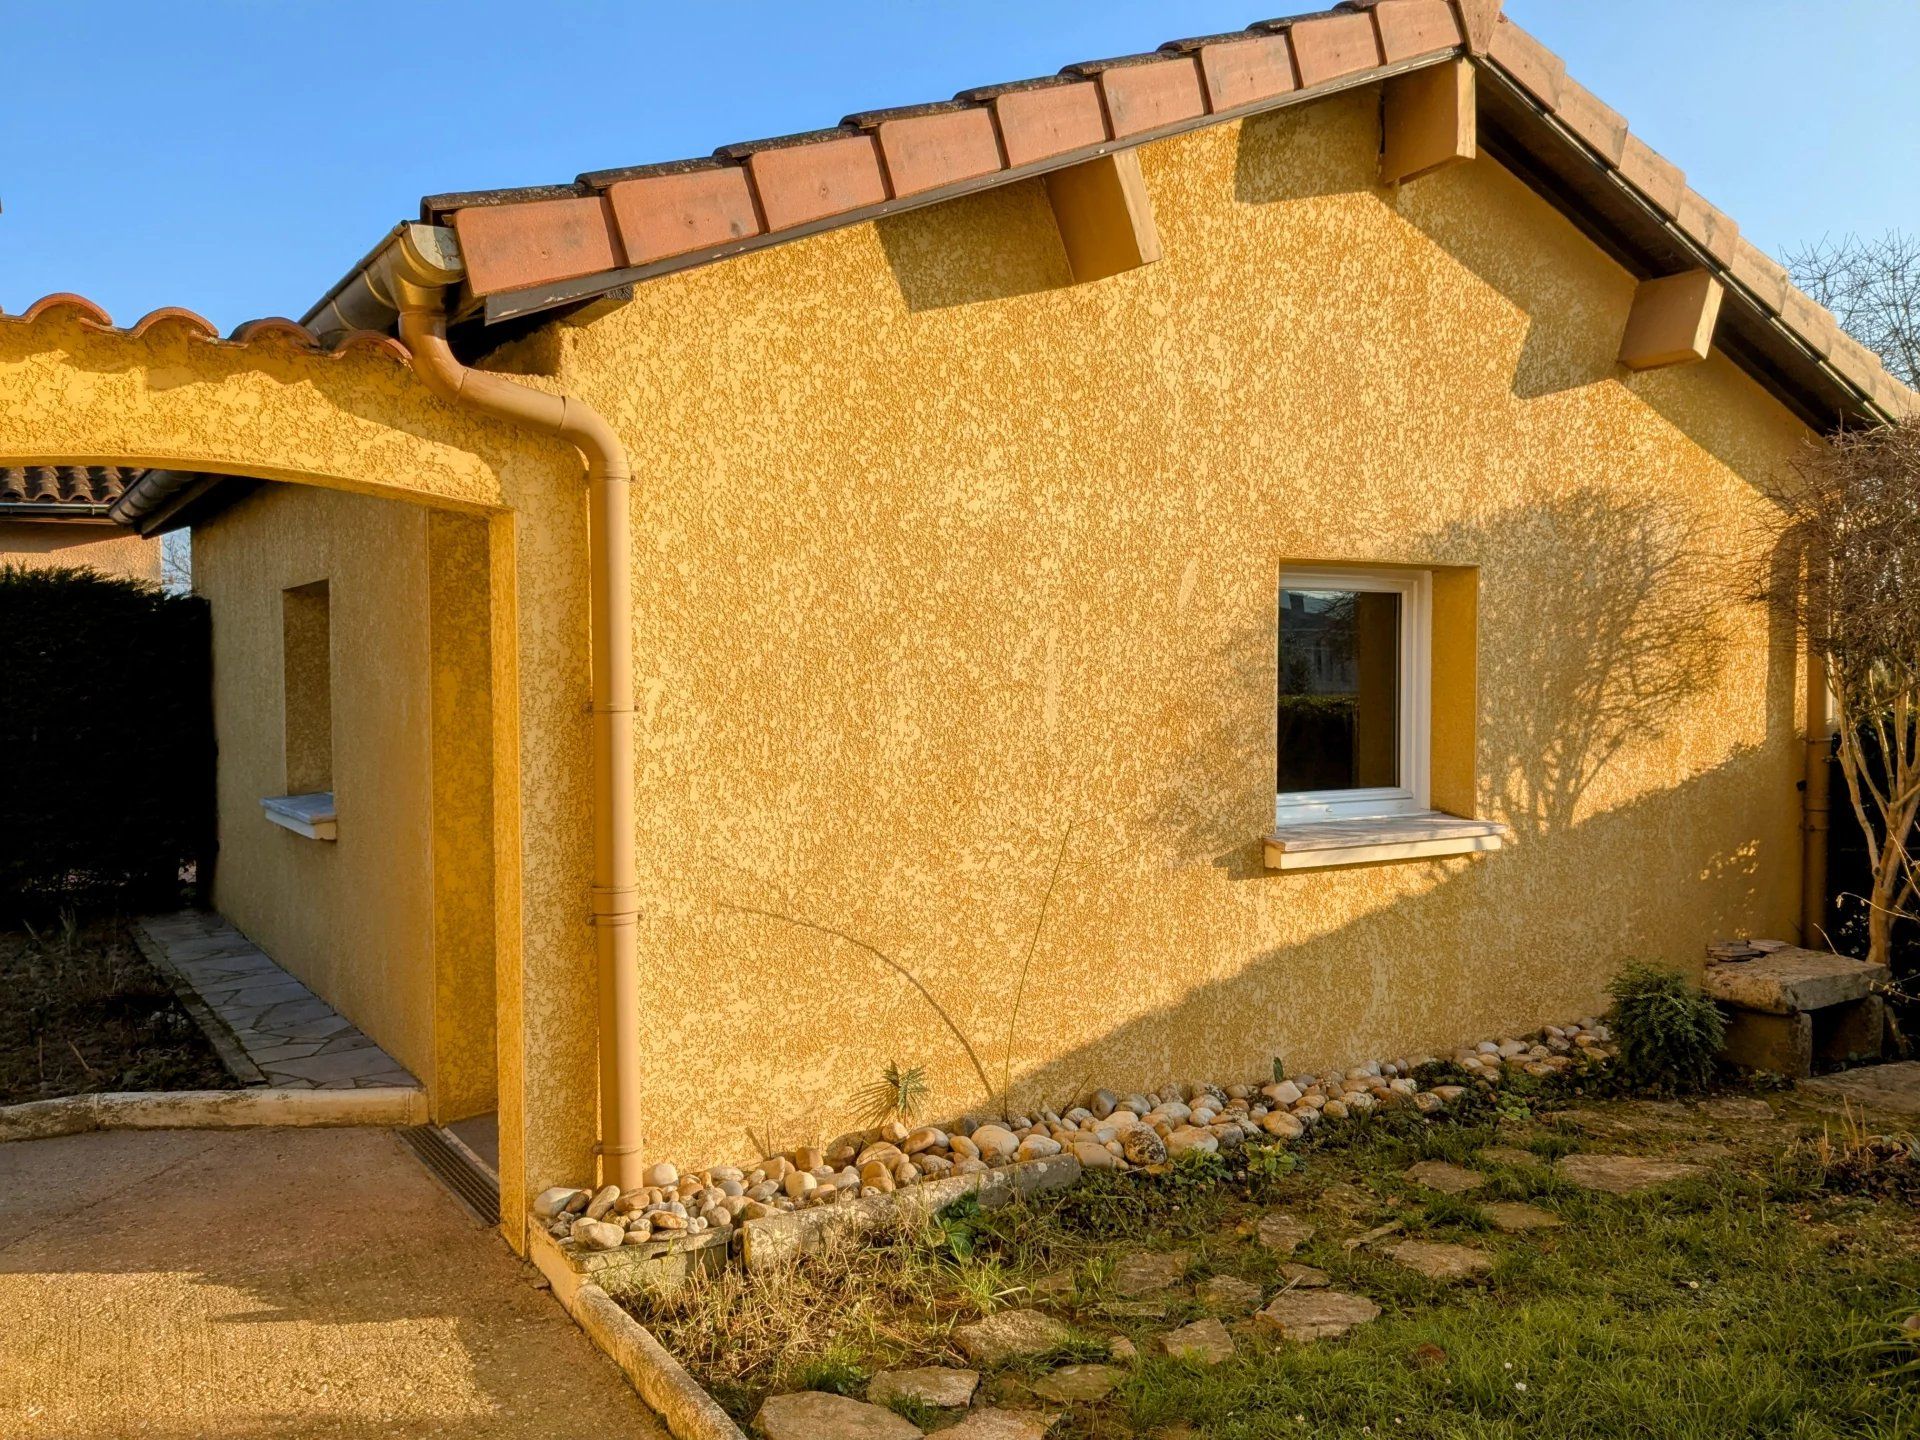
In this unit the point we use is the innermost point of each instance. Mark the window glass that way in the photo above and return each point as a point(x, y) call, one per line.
point(1339, 706)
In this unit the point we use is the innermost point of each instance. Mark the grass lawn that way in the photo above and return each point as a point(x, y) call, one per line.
point(82, 1011)
point(1760, 1296)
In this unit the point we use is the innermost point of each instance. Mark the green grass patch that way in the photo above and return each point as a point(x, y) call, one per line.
point(1761, 1298)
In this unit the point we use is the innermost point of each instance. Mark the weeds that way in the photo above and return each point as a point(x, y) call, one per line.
point(1668, 1031)
point(897, 1095)
point(84, 1012)
point(1851, 1160)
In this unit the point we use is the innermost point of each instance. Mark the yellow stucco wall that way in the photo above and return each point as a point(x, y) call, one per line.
point(938, 555)
point(108, 549)
point(352, 918)
point(361, 423)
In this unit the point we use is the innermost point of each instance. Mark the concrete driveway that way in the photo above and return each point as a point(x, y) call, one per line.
point(261, 1283)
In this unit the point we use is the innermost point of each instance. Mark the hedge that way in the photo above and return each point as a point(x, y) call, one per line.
point(106, 740)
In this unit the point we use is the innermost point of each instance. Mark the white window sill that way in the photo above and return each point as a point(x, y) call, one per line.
point(308, 815)
point(1316, 844)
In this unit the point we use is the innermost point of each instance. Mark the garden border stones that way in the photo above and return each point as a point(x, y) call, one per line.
point(774, 1239)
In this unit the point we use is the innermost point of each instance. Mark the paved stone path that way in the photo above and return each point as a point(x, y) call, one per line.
point(259, 1284)
point(1891, 1089)
point(280, 1028)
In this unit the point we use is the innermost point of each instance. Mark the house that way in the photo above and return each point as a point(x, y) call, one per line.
point(57, 515)
point(902, 682)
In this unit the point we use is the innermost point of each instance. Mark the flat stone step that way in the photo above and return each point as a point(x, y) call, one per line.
point(1893, 1088)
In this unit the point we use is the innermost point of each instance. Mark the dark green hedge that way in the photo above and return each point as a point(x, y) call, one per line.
point(106, 740)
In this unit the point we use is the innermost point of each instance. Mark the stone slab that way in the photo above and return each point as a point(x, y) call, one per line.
point(817, 1415)
point(658, 1265)
point(1893, 1089)
point(1791, 981)
point(267, 1026)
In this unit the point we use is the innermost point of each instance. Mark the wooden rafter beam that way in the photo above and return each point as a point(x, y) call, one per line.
point(1430, 121)
point(1105, 216)
point(1672, 320)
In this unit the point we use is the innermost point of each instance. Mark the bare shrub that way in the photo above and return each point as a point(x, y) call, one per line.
point(1853, 514)
point(1873, 288)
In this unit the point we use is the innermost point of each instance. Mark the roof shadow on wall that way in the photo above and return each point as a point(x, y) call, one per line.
point(1292, 154)
point(994, 245)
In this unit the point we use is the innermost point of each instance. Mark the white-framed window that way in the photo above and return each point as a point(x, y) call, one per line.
point(1355, 666)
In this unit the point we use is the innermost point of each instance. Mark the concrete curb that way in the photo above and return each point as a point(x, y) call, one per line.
point(778, 1238)
point(212, 1110)
point(658, 1379)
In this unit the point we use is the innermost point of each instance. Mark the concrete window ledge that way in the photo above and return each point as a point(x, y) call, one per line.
point(309, 815)
point(1379, 839)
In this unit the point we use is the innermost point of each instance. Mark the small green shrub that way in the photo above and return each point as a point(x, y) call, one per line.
point(1667, 1031)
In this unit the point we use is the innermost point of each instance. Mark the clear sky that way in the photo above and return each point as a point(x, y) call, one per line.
point(237, 156)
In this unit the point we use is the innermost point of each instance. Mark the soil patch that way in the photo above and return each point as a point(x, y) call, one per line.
point(85, 1012)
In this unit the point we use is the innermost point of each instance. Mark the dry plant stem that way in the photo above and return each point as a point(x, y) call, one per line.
point(818, 928)
point(1026, 964)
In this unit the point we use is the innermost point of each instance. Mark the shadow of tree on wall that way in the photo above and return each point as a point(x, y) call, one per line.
point(1213, 800)
point(1616, 628)
point(1602, 619)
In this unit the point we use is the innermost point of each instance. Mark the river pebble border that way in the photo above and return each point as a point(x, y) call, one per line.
point(1107, 1131)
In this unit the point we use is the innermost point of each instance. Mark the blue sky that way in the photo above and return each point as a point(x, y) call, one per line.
point(236, 158)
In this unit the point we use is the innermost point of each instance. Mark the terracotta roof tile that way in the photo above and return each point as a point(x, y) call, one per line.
point(1478, 18)
point(1536, 67)
point(1596, 123)
point(1040, 119)
point(1241, 69)
point(752, 192)
point(1714, 230)
point(1145, 92)
point(1760, 273)
point(682, 209)
point(924, 147)
point(1411, 28)
point(1333, 46)
point(802, 178)
point(65, 487)
point(274, 330)
point(1653, 175)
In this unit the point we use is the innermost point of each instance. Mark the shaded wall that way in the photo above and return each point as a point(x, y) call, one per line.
point(352, 918)
point(106, 548)
point(939, 558)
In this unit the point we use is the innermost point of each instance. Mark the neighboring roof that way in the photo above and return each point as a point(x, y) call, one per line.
point(531, 249)
point(61, 492)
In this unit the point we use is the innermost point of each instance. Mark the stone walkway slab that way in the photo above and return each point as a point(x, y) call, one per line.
point(267, 1025)
point(1892, 1089)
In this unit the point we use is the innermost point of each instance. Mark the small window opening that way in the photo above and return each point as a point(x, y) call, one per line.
point(307, 653)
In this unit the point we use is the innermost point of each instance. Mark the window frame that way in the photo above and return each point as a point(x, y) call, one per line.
point(1412, 796)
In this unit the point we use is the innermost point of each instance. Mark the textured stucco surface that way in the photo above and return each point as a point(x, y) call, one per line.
point(353, 918)
point(937, 555)
point(362, 423)
point(108, 549)
point(72, 395)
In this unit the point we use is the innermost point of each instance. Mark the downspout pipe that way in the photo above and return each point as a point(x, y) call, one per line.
point(419, 273)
